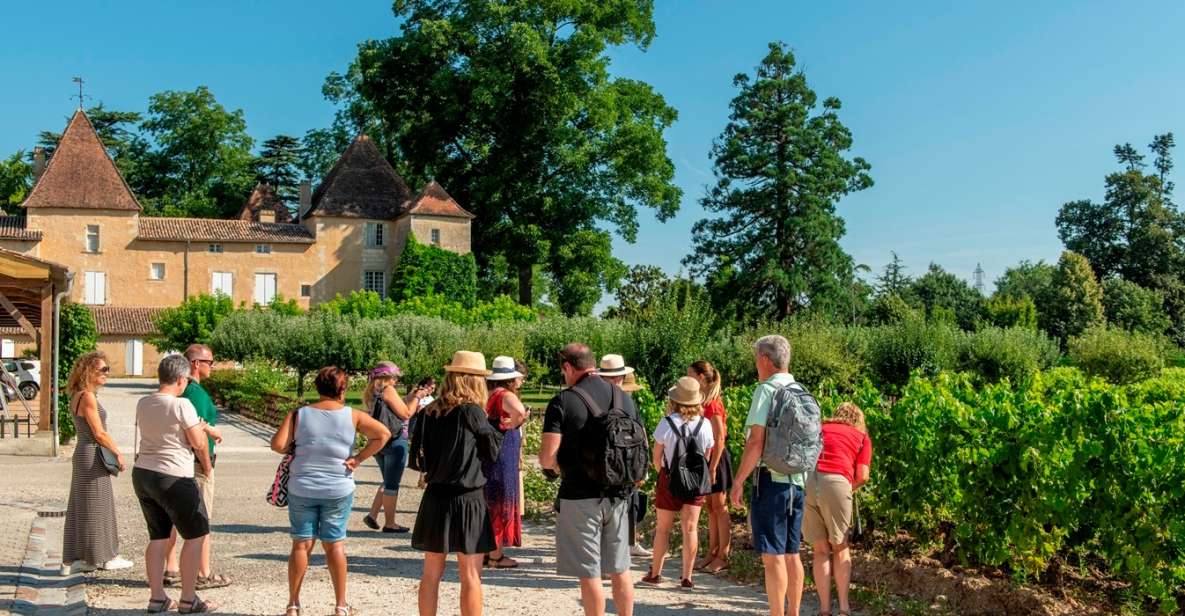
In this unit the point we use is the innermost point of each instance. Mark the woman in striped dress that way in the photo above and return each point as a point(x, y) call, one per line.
point(90, 539)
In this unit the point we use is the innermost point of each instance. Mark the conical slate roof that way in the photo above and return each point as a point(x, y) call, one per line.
point(81, 174)
point(362, 184)
point(435, 201)
point(264, 197)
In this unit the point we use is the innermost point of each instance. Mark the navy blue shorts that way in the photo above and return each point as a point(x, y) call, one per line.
point(775, 515)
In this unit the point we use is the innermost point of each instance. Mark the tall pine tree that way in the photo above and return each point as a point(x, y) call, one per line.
point(278, 165)
point(780, 168)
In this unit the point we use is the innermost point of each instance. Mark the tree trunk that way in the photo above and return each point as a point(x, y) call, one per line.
point(526, 278)
point(300, 384)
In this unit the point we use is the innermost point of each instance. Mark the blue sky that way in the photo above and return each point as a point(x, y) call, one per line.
point(979, 119)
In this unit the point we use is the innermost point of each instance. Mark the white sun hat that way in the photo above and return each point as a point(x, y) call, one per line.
point(503, 369)
point(614, 365)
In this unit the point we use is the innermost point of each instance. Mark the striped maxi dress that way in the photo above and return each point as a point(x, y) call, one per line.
point(90, 533)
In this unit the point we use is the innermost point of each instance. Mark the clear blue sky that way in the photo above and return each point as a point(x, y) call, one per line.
point(979, 119)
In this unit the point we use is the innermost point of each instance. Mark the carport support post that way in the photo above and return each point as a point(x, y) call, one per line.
point(45, 343)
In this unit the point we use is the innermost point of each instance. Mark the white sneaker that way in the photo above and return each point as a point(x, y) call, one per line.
point(117, 563)
point(639, 550)
point(77, 566)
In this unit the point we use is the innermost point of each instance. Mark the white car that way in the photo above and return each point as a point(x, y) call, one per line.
point(27, 374)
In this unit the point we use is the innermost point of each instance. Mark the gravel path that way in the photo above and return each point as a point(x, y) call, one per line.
point(251, 543)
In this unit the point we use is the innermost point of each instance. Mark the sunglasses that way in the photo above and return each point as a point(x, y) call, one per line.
point(105, 369)
point(207, 361)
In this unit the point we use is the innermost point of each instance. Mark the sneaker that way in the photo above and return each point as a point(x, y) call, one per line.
point(116, 564)
point(77, 566)
point(639, 550)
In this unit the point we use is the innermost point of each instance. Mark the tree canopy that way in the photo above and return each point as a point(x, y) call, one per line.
point(511, 104)
point(780, 169)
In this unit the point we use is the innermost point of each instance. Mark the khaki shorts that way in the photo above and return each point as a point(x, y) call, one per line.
point(206, 487)
point(828, 515)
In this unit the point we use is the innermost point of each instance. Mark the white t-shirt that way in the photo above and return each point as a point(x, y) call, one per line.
point(162, 421)
point(669, 438)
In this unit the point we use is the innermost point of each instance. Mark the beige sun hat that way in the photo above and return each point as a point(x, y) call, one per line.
point(503, 369)
point(630, 384)
point(468, 362)
point(686, 392)
point(614, 365)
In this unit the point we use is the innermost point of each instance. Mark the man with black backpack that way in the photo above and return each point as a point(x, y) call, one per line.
point(783, 443)
point(593, 439)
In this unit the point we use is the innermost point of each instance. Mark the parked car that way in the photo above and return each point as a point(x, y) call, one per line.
point(27, 374)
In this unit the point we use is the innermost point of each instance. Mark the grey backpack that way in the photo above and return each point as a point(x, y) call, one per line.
point(793, 431)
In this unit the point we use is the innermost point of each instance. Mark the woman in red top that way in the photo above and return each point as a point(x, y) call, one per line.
point(720, 466)
point(506, 412)
point(843, 467)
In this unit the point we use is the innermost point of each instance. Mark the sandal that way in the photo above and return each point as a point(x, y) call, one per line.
point(505, 562)
point(345, 610)
point(212, 581)
point(686, 583)
point(156, 606)
point(370, 523)
point(704, 562)
point(651, 579)
point(172, 578)
point(196, 606)
point(717, 569)
point(292, 610)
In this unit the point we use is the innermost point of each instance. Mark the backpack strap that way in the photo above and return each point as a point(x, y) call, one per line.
point(594, 409)
point(695, 432)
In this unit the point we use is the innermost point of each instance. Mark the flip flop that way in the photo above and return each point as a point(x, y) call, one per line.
point(501, 563)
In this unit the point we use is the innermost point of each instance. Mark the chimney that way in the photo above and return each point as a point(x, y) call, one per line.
point(38, 163)
point(267, 215)
point(306, 198)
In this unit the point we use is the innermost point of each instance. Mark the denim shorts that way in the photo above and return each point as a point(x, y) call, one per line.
point(319, 518)
point(392, 460)
point(775, 514)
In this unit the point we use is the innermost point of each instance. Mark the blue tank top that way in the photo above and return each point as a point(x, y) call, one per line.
point(324, 440)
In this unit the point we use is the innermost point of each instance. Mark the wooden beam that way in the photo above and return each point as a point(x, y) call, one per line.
point(20, 318)
point(45, 343)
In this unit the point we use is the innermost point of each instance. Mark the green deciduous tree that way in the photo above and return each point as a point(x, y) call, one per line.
point(1074, 300)
point(191, 321)
point(1026, 279)
point(116, 130)
point(641, 287)
point(1129, 306)
point(78, 336)
point(1003, 311)
point(780, 166)
point(940, 292)
point(16, 178)
point(201, 162)
point(512, 106)
point(423, 269)
point(279, 165)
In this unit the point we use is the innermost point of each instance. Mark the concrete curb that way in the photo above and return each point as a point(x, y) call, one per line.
point(41, 590)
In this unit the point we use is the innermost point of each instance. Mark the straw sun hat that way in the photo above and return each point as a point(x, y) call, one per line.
point(614, 365)
point(468, 362)
point(686, 392)
point(630, 384)
point(504, 369)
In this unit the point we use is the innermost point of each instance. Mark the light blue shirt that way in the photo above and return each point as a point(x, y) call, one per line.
point(763, 398)
point(324, 440)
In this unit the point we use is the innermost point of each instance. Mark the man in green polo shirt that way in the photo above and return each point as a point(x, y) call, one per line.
point(201, 361)
point(775, 509)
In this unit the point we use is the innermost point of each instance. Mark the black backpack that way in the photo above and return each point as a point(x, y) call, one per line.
point(384, 415)
point(688, 470)
point(613, 449)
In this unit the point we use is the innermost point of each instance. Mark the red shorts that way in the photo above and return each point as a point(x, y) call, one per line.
point(663, 499)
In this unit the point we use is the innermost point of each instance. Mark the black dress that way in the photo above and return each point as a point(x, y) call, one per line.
point(450, 448)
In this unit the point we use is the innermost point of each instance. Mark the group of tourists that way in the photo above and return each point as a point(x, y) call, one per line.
point(463, 436)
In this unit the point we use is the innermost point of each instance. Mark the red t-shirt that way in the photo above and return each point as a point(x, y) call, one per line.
point(715, 408)
point(844, 447)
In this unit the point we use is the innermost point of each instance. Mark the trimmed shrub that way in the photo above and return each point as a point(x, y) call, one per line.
point(1015, 354)
point(896, 351)
point(192, 321)
point(1116, 355)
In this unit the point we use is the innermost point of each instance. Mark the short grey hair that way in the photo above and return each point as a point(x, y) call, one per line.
point(776, 348)
point(172, 368)
point(196, 350)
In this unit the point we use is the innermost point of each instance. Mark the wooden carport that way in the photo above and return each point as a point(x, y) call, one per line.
point(28, 289)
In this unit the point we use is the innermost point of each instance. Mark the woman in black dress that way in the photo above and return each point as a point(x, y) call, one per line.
point(451, 440)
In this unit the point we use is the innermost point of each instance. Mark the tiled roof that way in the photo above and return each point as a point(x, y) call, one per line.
point(81, 174)
point(124, 320)
point(264, 197)
point(13, 228)
point(362, 184)
point(435, 201)
point(218, 230)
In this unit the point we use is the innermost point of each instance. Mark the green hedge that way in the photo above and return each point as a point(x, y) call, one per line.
point(1117, 355)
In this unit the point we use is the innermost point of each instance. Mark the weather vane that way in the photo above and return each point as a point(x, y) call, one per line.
point(78, 80)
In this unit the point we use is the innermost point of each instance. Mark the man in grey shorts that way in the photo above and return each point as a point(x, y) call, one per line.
point(592, 528)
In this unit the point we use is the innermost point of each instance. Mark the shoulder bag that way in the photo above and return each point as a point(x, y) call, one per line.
point(277, 494)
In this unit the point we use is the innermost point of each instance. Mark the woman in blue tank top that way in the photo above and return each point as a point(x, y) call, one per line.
point(321, 481)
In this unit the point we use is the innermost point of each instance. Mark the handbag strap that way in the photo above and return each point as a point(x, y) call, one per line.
point(295, 423)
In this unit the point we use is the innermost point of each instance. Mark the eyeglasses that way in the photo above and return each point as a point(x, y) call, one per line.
point(208, 361)
point(105, 369)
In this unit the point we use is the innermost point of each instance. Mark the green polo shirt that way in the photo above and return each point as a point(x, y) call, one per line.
point(763, 398)
point(195, 393)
